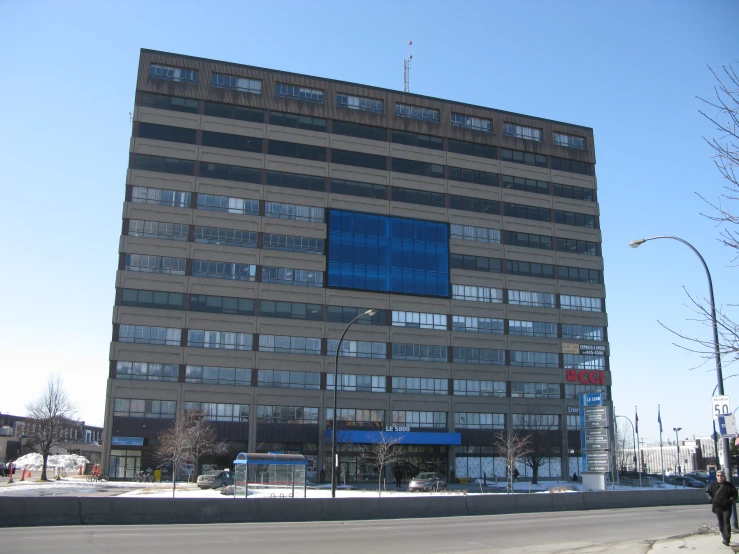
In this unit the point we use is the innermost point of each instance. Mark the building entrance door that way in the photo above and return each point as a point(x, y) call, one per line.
point(124, 463)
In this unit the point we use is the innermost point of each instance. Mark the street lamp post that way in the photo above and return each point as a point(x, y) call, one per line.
point(677, 445)
point(633, 439)
point(334, 433)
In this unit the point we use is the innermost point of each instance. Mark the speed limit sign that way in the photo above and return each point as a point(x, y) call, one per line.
point(721, 406)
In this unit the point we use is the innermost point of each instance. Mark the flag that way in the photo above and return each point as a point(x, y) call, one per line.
point(659, 419)
point(636, 418)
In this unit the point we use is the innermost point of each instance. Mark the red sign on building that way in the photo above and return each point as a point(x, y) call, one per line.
point(586, 377)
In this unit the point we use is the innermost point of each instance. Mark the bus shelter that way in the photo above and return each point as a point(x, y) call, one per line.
point(282, 473)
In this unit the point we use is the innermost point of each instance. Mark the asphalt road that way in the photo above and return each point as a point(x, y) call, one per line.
point(628, 530)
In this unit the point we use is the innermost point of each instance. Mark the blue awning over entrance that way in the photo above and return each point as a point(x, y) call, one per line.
point(406, 437)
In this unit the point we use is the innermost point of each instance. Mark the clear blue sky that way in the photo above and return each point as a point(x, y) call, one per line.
point(629, 70)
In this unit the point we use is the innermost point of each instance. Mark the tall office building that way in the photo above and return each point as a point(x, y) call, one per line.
point(264, 210)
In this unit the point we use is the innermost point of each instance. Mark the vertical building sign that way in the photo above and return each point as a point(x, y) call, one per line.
point(594, 425)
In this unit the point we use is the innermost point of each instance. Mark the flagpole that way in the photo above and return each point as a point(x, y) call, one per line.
point(661, 454)
point(638, 447)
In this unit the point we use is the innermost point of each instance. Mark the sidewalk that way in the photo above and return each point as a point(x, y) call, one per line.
point(707, 542)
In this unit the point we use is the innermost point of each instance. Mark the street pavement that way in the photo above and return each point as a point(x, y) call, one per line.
point(632, 531)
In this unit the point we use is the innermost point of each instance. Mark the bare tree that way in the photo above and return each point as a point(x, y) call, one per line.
point(380, 454)
point(203, 436)
point(512, 447)
point(544, 440)
point(51, 419)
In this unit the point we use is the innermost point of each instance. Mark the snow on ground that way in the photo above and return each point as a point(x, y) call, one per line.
point(35, 461)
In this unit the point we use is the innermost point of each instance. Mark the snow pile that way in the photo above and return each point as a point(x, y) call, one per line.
point(34, 461)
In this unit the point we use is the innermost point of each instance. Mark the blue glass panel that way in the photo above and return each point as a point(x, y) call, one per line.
point(371, 252)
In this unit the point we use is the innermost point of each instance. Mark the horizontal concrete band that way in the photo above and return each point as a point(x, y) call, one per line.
point(37, 511)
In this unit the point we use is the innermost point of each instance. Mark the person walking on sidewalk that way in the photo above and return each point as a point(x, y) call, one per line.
point(723, 495)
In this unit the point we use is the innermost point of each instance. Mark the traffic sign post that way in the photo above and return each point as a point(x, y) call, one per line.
point(727, 426)
point(721, 406)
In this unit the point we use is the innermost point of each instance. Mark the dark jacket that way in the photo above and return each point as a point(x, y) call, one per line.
point(722, 495)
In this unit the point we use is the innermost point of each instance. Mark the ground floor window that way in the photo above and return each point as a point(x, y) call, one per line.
point(124, 463)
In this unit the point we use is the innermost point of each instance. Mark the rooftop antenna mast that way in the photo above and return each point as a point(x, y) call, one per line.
point(407, 69)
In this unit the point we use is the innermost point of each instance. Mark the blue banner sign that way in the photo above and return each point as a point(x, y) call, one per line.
point(376, 437)
point(127, 441)
point(591, 399)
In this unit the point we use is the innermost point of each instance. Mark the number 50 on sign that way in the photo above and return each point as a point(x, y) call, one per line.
point(721, 406)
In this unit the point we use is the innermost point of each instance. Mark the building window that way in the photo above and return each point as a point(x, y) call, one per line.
point(296, 181)
point(568, 141)
point(289, 243)
point(573, 421)
point(569, 191)
point(143, 334)
point(298, 121)
point(152, 299)
point(534, 359)
point(163, 164)
point(229, 111)
point(528, 298)
point(583, 332)
point(358, 159)
point(241, 84)
point(526, 185)
point(420, 352)
point(232, 142)
point(290, 310)
point(474, 123)
point(357, 349)
point(526, 158)
point(417, 112)
point(476, 263)
point(212, 375)
point(527, 212)
point(293, 211)
point(476, 234)
point(572, 166)
point(483, 356)
point(472, 149)
point(534, 390)
point(287, 414)
point(574, 391)
point(528, 240)
point(522, 132)
point(574, 246)
point(353, 188)
point(228, 204)
point(295, 150)
point(471, 204)
point(578, 274)
point(231, 172)
point(213, 411)
point(474, 420)
point(473, 176)
point(581, 303)
point(357, 383)
point(470, 387)
point(477, 294)
point(198, 338)
point(372, 252)
point(351, 417)
point(421, 197)
point(289, 379)
point(291, 276)
point(161, 197)
point(228, 237)
point(155, 264)
point(580, 361)
point(164, 102)
point(146, 371)
point(289, 345)
point(359, 103)
point(419, 320)
point(536, 422)
point(358, 130)
point(178, 74)
point(433, 420)
point(572, 218)
point(344, 314)
point(473, 324)
point(414, 167)
point(414, 139)
point(420, 385)
point(532, 328)
point(165, 132)
point(530, 269)
point(150, 409)
point(221, 304)
point(299, 93)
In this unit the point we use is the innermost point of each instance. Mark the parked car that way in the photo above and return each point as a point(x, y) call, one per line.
point(216, 479)
point(699, 476)
point(427, 481)
point(685, 481)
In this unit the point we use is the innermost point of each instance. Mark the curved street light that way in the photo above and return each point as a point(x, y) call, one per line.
point(334, 433)
point(633, 439)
